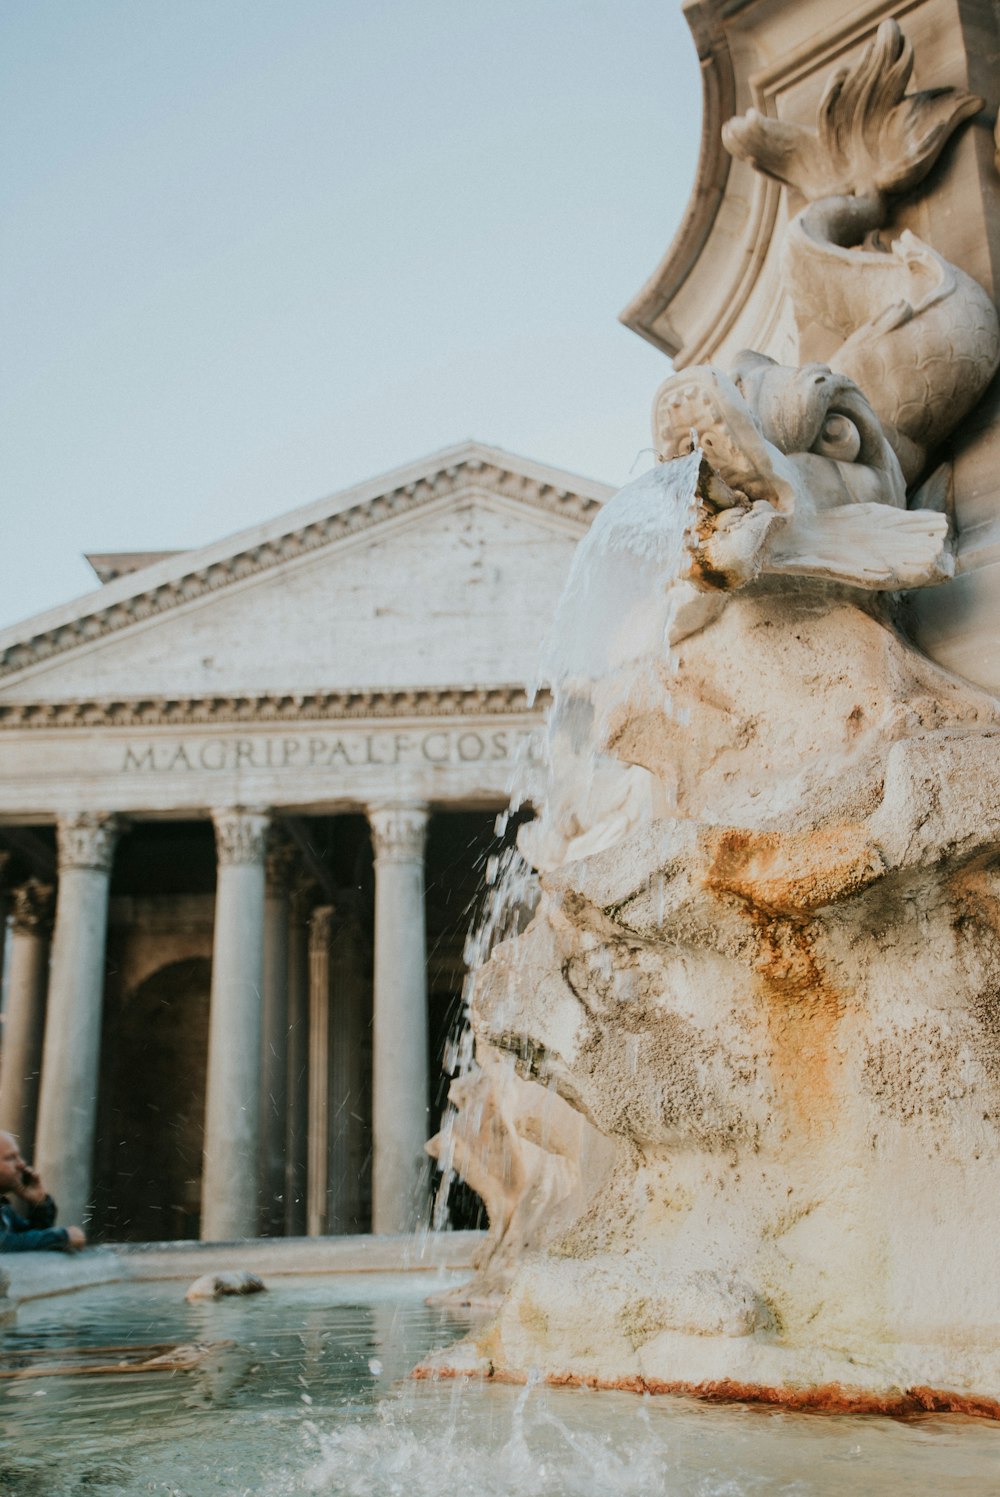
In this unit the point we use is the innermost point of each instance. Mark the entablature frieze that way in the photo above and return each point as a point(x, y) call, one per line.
point(312, 766)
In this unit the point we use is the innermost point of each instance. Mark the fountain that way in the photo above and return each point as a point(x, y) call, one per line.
point(765, 963)
point(734, 1093)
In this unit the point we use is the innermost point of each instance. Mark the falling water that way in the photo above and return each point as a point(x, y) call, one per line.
point(614, 606)
point(610, 622)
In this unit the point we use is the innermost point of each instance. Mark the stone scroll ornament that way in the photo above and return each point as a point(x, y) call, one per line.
point(765, 961)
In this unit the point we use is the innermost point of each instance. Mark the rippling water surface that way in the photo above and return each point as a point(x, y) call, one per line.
point(303, 1392)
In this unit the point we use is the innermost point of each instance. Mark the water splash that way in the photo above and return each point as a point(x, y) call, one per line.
point(614, 607)
point(441, 1441)
point(610, 622)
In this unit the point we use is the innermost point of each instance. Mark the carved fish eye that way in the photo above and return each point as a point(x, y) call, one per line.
point(839, 438)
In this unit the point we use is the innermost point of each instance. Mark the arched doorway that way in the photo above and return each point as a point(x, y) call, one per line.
point(152, 1180)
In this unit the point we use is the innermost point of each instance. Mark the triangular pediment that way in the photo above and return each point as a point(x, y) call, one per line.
point(440, 575)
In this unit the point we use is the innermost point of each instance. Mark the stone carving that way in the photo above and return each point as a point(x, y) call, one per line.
point(918, 335)
point(773, 984)
point(240, 835)
point(398, 832)
point(532, 1159)
point(33, 907)
point(280, 864)
point(87, 840)
point(321, 923)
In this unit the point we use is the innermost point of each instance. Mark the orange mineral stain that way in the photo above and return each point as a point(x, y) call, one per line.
point(801, 1006)
point(824, 1398)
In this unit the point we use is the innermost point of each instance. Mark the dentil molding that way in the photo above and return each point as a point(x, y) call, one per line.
point(272, 707)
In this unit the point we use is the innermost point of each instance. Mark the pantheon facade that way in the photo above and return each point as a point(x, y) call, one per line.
point(247, 794)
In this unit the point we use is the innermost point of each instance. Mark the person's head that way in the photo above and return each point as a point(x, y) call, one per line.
point(11, 1163)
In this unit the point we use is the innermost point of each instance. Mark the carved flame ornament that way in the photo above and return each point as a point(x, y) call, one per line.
point(919, 336)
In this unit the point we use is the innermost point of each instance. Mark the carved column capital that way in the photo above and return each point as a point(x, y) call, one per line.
point(280, 865)
point(87, 840)
point(399, 832)
point(302, 897)
point(320, 929)
point(32, 909)
point(240, 835)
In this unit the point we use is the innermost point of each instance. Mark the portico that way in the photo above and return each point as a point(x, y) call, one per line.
point(242, 764)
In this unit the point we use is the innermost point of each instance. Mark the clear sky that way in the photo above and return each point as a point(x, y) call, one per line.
point(255, 251)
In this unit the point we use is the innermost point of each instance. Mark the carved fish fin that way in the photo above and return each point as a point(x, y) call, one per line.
point(874, 546)
point(937, 493)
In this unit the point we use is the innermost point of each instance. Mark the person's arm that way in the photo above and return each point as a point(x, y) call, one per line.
point(41, 1214)
point(31, 1240)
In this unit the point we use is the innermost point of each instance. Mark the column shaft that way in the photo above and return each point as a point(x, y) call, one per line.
point(399, 1110)
point(297, 1112)
point(232, 1111)
point(274, 1053)
point(319, 1071)
point(24, 1012)
point(67, 1107)
point(349, 1138)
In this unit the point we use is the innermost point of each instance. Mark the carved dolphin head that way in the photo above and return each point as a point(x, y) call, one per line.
point(793, 437)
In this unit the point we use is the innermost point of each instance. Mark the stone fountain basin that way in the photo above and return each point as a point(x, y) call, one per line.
point(307, 1392)
point(33, 1276)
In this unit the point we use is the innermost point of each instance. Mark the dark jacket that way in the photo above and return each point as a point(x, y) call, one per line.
point(19, 1234)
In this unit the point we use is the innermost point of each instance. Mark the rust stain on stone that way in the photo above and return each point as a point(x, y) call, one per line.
point(778, 882)
point(824, 1398)
point(792, 874)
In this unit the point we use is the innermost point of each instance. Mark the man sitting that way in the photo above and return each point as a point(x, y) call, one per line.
point(19, 1234)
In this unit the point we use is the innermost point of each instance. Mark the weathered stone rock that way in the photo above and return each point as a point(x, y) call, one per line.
point(230, 1281)
point(534, 1160)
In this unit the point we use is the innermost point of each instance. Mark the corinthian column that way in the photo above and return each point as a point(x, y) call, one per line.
point(24, 1012)
point(399, 1103)
point(297, 1111)
point(232, 1107)
point(67, 1107)
point(318, 1170)
point(350, 1015)
point(274, 1056)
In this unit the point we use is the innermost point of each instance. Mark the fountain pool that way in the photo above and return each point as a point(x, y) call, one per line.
point(305, 1391)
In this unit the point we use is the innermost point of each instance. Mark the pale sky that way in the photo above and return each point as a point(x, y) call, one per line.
point(255, 251)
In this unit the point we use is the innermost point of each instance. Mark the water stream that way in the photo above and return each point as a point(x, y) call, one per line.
point(610, 623)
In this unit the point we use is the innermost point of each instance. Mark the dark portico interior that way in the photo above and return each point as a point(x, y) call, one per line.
point(157, 994)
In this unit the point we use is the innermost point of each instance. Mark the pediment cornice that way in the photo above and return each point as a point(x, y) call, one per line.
point(268, 708)
point(191, 575)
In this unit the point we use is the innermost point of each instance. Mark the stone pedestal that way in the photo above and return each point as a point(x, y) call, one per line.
point(232, 1113)
point(318, 1158)
point(274, 1054)
point(297, 1110)
point(24, 1012)
point(68, 1102)
point(399, 1112)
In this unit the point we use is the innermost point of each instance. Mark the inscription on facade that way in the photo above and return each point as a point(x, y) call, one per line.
point(350, 750)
